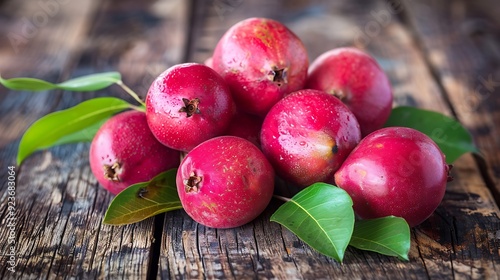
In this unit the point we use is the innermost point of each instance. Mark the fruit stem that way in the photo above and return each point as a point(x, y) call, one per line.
point(111, 172)
point(131, 92)
point(190, 106)
point(285, 199)
point(138, 108)
point(278, 76)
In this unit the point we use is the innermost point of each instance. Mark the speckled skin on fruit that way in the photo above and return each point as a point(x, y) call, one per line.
point(124, 152)
point(307, 135)
point(395, 171)
point(225, 182)
point(188, 104)
point(261, 61)
point(357, 79)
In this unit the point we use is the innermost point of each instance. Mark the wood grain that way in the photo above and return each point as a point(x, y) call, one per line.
point(61, 206)
point(461, 46)
point(438, 55)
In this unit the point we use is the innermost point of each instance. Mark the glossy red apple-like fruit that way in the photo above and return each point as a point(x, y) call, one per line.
point(188, 104)
point(225, 182)
point(261, 60)
point(356, 79)
point(395, 171)
point(307, 135)
point(124, 152)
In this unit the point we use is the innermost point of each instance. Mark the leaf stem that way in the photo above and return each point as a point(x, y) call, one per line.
point(131, 92)
point(138, 108)
point(285, 199)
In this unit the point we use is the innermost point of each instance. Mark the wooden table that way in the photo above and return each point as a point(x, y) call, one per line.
point(440, 55)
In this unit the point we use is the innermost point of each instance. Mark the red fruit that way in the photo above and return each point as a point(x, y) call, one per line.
point(356, 79)
point(225, 182)
point(261, 61)
point(307, 135)
point(395, 171)
point(246, 126)
point(188, 104)
point(124, 152)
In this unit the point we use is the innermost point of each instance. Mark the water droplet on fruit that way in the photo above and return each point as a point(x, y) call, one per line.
point(302, 143)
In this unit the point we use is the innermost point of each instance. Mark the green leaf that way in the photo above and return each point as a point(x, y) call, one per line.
point(144, 200)
point(321, 215)
point(451, 137)
point(84, 135)
point(61, 126)
point(85, 83)
point(388, 236)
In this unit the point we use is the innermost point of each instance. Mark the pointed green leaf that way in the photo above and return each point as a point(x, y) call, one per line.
point(144, 200)
point(52, 128)
point(91, 82)
point(322, 216)
point(30, 84)
point(84, 135)
point(452, 138)
point(388, 236)
point(85, 83)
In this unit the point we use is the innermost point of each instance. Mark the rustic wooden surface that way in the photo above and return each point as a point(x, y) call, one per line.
point(439, 55)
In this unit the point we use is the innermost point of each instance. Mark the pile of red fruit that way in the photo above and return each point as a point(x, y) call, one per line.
point(256, 108)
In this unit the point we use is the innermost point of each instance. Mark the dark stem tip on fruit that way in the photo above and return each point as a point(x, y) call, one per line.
point(190, 106)
point(111, 172)
point(335, 149)
point(278, 76)
point(192, 183)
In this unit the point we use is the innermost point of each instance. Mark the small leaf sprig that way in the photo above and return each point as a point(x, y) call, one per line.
point(75, 124)
point(85, 83)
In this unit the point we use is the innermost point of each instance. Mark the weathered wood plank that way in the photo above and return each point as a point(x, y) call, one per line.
point(40, 37)
point(140, 40)
point(465, 70)
point(60, 205)
point(59, 222)
point(439, 247)
point(49, 47)
point(442, 245)
point(414, 85)
point(462, 46)
point(38, 41)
